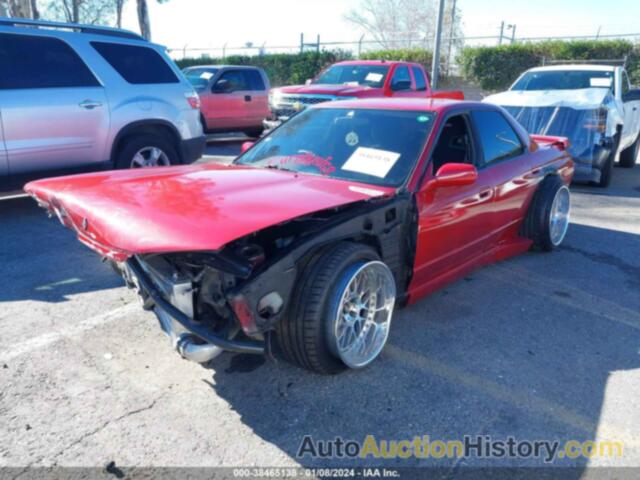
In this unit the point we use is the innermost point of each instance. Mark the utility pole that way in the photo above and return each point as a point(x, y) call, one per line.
point(513, 33)
point(451, 32)
point(435, 65)
point(301, 42)
point(501, 33)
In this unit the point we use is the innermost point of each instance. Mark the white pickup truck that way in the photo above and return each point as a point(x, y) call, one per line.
point(593, 105)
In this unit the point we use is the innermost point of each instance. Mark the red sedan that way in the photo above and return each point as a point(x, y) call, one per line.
point(317, 232)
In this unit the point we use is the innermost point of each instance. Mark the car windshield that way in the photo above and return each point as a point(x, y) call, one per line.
point(366, 75)
point(378, 147)
point(199, 77)
point(564, 80)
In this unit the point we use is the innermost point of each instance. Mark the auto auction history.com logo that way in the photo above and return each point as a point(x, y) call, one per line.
point(478, 446)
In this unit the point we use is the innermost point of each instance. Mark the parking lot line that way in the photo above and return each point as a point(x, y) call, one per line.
point(48, 338)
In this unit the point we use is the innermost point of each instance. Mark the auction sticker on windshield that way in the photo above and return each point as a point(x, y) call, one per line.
point(371, 161)
point(373, 77)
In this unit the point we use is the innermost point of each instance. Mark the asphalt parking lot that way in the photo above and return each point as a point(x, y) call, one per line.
point(543, 346)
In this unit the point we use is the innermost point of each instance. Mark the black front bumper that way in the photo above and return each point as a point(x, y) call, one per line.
point(199, 330)
point(589, 168)
point(192, 149)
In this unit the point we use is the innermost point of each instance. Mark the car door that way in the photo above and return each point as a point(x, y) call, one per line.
point(505, 164)
point(232, 98)
point(54, 110)
point(454, 226)
point(400, 83)
point(631, 107)
point(258, 96)
point(4, 164)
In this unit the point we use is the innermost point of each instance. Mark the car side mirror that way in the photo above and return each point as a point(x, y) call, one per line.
point(246, 146)
point(308, 81)
point(221, 86)
point(456, 175)
point(401, 85)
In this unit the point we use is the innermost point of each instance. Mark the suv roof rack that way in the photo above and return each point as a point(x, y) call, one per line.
point(92, 29)
point(619, 62)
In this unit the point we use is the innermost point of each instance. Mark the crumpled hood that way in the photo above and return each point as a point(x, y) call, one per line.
point(579, 99)
point(326, 89)
point(188, 208)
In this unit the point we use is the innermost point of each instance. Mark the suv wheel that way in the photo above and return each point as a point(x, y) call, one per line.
point(147, 151)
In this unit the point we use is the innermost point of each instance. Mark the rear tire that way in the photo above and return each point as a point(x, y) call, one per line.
point(146, 150)
point(547, 220)
point(628, 155)
point(306, 334)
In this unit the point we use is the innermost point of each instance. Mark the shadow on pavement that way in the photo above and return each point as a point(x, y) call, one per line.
point(32, 242)
point(524, 348)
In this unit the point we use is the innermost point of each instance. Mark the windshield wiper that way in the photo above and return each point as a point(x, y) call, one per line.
point(280, 167)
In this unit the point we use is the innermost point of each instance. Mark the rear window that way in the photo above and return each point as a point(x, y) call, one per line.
point(137, 65)
point(498, 139)
point(41, 62)
point(254, 79)
point(418, 76)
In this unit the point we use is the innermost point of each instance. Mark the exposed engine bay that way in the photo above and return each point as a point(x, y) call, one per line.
point(208, 302)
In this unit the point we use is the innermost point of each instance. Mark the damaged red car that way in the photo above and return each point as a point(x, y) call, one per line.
point(313, 236)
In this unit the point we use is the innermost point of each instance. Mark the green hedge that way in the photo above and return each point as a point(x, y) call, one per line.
point(417, 55)
point(495, 68)
point(282, 68)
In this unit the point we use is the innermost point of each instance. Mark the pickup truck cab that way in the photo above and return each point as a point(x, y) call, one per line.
point(233, 97)
point(353, 80)
point(593, 105)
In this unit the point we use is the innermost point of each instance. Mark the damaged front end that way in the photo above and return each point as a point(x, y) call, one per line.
point(230, 299)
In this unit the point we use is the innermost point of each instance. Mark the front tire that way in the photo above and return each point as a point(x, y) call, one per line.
point(628, 155)
point(607, 171)
point(341, 311)
point(147, 150)
point(547, 220)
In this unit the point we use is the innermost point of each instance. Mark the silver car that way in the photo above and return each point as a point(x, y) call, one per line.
point(79, 97)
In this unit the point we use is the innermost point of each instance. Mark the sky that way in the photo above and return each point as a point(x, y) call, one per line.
point(213, 23)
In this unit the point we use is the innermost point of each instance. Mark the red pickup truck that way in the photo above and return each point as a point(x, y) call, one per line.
point(353, 80)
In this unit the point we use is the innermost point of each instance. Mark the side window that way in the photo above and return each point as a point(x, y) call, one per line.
point(254, 80)
point(498, 139)
point(454, 144)
point(41, 62)
point(137, 65)
point(401, 79)
point(231, 81)
point(418, 76)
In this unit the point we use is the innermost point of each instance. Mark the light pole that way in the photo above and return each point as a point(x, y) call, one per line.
point(435, 64)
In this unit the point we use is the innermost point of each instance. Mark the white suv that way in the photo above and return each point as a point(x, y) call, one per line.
point(79, 97)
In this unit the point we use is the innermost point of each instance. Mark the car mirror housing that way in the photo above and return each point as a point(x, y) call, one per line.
point(456, 175)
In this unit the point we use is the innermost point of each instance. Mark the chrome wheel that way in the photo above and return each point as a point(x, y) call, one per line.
point(150, 157)
point(559, 216)
point(361, 324)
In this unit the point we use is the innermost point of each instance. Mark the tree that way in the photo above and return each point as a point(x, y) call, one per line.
point(143, 17)
point(85, 11)
point(119, 7)
point(404, 23)
point(19, 8)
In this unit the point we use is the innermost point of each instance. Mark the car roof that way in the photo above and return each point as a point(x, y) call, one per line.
point(581, 67)
point(372, 62)
point(219, 67)
point(412, 104)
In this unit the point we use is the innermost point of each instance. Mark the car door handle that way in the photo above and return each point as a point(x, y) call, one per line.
point(484, 194)
point(247, 98)
point(90, 104)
